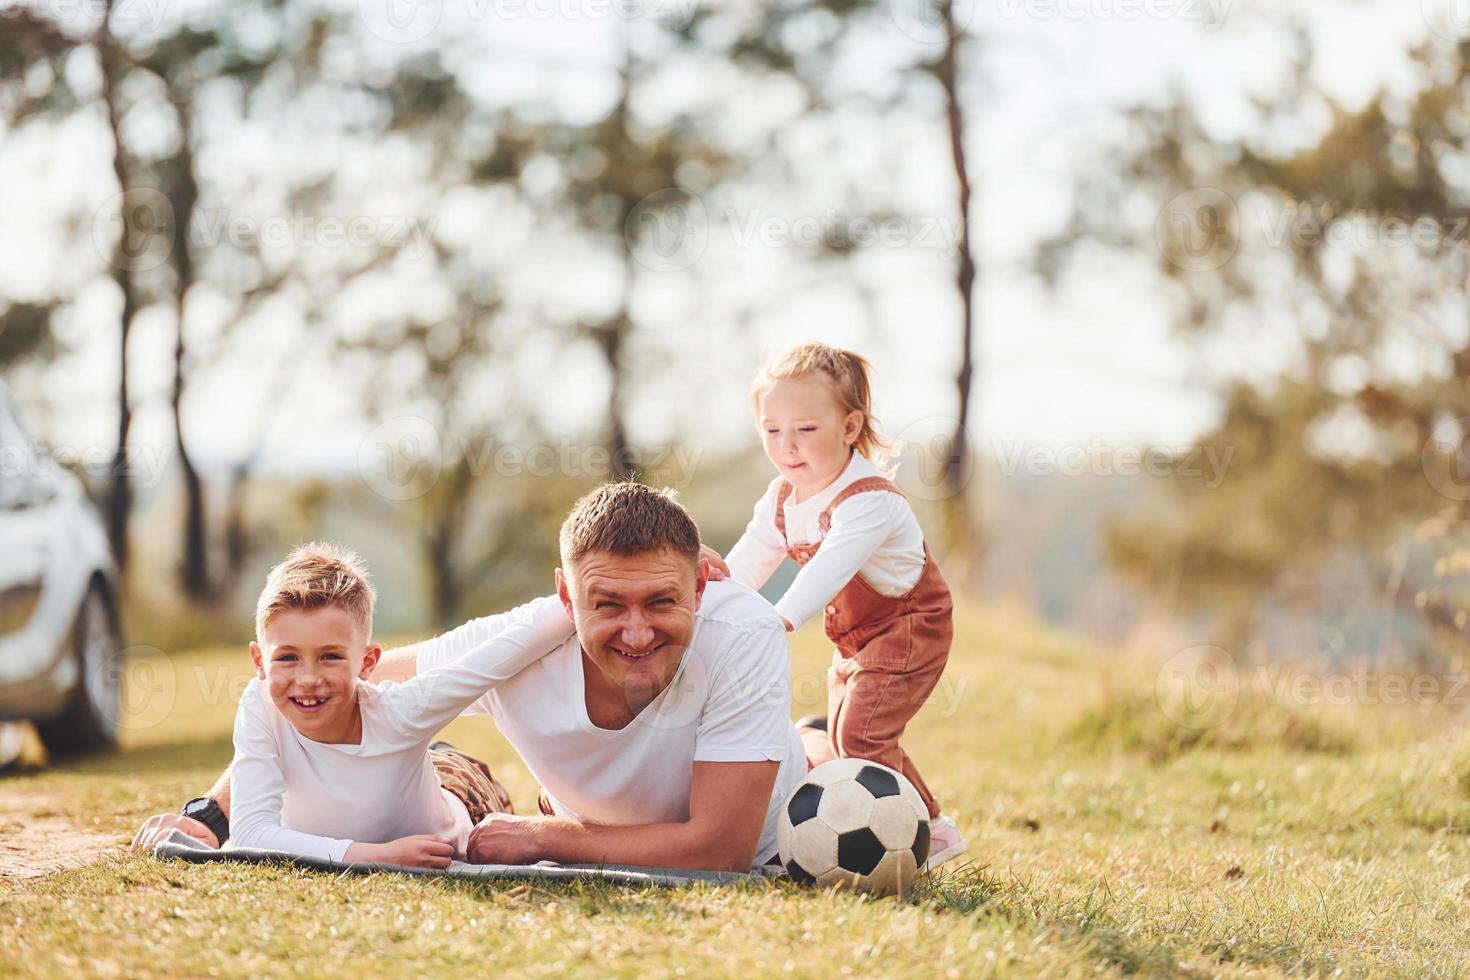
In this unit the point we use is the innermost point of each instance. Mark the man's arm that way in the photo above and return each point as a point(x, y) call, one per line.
point(727, 811)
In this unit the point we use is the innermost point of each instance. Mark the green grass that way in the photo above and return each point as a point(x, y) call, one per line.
point(1104, 840)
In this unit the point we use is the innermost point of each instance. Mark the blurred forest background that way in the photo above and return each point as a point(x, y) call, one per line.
point(1168, 312)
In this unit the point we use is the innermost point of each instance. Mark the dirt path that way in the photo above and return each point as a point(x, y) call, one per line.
point(37, 838)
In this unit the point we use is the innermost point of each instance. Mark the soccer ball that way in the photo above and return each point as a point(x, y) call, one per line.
point(855, 824)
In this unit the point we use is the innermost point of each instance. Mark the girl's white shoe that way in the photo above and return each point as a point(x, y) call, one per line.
point(945, 842)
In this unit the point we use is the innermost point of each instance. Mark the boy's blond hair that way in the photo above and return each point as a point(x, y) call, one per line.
point(848, 374)
point(315, 576)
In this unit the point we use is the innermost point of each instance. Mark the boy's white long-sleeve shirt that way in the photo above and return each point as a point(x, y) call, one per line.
point(290, 793)
point(874, 534)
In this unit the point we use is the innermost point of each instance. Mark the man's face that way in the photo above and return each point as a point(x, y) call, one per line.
point(634, 616)
point(310, 661)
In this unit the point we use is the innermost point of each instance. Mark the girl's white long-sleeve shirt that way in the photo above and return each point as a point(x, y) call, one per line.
point(290, 793)
point(874, 534)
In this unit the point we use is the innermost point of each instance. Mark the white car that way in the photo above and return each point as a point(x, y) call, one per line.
point(59, 638)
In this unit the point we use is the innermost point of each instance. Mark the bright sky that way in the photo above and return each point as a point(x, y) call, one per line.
point(1094, 361)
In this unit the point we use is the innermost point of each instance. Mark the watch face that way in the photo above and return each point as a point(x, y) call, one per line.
point(194, 807)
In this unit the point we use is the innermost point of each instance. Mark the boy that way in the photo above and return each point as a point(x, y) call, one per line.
point(328, 765)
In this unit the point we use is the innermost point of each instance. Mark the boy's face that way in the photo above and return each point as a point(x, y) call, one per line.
point(310, 661)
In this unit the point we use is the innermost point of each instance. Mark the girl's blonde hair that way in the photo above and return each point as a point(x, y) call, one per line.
point(848, 373)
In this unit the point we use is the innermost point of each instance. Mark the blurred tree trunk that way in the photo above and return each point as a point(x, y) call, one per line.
point(447, 514)
point(613, 332)
point(237, 531)
point(120, 493)
point(611, 336)
point(184, 196)
point(966, 532)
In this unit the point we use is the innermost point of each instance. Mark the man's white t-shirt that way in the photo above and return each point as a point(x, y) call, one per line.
point(290, 793)
point(730, 701)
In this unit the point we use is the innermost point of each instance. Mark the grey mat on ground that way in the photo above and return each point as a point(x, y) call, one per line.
point(182, 846)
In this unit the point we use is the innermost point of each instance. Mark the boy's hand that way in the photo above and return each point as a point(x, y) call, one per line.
point(718, 570)
point(418, 851)
point(156, 830)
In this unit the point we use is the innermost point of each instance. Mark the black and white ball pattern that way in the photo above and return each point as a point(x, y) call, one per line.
point(854, 823)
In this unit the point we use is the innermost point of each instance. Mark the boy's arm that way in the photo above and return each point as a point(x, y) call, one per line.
point(439, 693)
point(402, 664)
point(157, 828)
point(406, 662)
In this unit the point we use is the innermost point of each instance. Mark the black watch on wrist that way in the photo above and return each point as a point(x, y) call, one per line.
point(207, 812)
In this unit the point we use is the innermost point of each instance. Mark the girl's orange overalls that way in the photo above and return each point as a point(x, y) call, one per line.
point(890, 653)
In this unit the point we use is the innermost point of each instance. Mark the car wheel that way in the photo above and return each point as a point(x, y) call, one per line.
point(89, 722)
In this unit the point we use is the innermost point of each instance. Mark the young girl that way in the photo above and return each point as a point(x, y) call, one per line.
point(864, 564)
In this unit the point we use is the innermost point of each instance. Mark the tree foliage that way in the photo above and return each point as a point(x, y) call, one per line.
point(1319, 267)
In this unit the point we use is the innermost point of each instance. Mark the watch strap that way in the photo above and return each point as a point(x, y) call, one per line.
point(211, 816)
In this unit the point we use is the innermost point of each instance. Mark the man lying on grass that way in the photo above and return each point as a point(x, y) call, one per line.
point(660, 731)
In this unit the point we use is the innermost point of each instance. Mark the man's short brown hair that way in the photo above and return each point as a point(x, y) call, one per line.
point(315, 576)
point(628, 519)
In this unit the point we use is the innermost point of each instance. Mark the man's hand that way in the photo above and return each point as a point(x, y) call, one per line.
point(418, 851)
point(504, 838)
point(718, 570)
point(727, 811)
point(156, 829)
